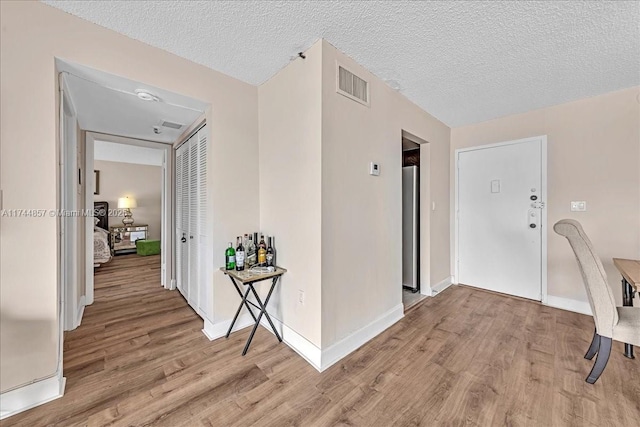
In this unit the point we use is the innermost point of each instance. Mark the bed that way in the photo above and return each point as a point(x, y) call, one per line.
point(101, 249)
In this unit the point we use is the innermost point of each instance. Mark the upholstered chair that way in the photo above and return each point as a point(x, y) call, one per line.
point(612, 323)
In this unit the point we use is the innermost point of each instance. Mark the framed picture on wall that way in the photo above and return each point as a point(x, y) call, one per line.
point(96, 182)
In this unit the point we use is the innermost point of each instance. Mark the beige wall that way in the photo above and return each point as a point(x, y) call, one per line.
point(141, 182)
point(362, 214)
point(593, 155)
point(33, 34)
point(290, 187)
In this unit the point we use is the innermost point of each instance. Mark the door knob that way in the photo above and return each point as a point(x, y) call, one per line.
point(532, 225)
point(184, 239)
point(534, 197)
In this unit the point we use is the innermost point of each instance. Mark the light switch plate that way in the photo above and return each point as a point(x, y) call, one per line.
point(578, 206)
point(374, 169)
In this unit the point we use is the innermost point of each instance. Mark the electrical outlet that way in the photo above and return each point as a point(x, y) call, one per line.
point(579, 206)
point(301, 296)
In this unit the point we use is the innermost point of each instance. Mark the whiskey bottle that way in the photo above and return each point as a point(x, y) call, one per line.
point(240, 255)
point(262, 251)
point(230, 258)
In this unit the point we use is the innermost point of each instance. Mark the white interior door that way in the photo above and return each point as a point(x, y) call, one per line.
point(192, 294)
point(182, 213)
point(500, 197)
point(205, 295)
point(191, 220)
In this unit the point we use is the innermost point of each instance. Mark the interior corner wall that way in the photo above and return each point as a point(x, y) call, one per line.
point(290, 187)
point(141, 182)
point(593, 150)
point(362, 214)
point(32, 35)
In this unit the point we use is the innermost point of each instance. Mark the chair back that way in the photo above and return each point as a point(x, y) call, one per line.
point(603, 304)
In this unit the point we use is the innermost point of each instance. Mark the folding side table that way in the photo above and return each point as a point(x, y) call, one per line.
point(248, 278)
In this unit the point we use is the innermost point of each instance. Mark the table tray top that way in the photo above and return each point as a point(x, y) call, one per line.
point(247, 276)
point(630, 270)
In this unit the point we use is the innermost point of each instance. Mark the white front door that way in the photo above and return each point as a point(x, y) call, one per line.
point(500, 201)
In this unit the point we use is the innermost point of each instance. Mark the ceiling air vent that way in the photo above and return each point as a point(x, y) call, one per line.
point(352, 86)
point(171, 125)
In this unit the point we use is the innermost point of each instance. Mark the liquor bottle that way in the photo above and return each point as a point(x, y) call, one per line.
point(251, 253)
point(270, 255)
point(240, 255)
point(275, 252)
point(230, 258)
point(262, 251)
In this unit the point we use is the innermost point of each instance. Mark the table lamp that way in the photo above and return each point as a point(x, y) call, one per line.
point(127, 203)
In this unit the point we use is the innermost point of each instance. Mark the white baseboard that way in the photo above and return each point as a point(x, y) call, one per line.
point(319, 359)
point(305, 348)
point(345, 346)
point(31, 395)
point(80, 313)
point(441, 286)
point(291, 338)
point(577, 306)
point(213, 331)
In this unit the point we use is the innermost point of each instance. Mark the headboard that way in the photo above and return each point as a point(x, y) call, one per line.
point(101, 211)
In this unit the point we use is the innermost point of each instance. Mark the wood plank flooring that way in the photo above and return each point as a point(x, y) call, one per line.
point(465, 357)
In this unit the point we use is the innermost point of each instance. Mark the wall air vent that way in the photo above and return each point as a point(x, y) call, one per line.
point(172, 125)
point(352, 86)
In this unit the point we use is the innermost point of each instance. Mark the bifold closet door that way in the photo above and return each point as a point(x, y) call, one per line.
point(182, 216)
point(205, 293)
point(191, 220)
point(194, 260)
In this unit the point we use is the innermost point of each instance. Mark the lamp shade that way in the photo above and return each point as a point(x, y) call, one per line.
point(127, 203)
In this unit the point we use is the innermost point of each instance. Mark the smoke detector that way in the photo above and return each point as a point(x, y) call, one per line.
point(145, 95)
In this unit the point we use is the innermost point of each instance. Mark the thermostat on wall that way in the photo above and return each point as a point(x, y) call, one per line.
point(374, 169)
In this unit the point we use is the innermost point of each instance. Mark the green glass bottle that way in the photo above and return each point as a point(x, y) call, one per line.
point(230, 258)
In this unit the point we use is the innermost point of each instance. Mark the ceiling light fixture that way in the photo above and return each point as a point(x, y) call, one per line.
point(146, 95)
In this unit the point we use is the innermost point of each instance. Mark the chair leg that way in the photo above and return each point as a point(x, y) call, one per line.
point(593, 348)
point(601, 361)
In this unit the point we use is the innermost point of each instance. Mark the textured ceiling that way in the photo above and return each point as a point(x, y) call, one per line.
point(463, 62)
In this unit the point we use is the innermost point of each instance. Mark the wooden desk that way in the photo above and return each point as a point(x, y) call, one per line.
point(248, 278)
point(630, 271)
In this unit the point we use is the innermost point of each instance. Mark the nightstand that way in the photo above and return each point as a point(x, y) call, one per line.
point(123, 238)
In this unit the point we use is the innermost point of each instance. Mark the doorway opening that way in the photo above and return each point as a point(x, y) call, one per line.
point(131, 198)
point(116, 198)
point(411, 221)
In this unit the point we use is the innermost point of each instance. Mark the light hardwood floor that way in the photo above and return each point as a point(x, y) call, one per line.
point(465, 357)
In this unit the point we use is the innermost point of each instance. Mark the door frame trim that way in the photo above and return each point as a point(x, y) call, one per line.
point(543, 212)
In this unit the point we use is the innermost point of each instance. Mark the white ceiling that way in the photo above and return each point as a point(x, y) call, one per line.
point(463, 62)
point(108, 104)
point(125, 153)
